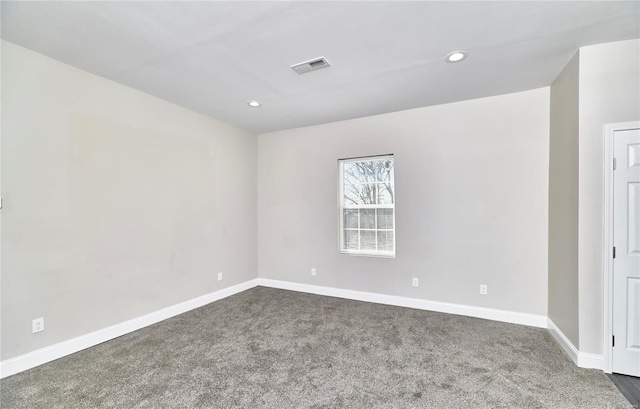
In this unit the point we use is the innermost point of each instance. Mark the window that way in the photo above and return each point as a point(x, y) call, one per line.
point(367, 206)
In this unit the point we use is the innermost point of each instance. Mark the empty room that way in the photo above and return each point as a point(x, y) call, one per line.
point(320, 204)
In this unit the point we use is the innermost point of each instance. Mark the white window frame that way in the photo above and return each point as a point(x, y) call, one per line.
point(342, 207)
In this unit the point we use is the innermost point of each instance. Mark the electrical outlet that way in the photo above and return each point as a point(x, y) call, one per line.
point(37, 325)
point(483, 289)
point(415, 281)
point(220, 276)
point(313, 272)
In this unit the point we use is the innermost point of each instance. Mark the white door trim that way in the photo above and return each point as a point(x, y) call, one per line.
point(607, 242)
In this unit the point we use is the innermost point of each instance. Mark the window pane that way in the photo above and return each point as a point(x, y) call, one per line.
point(368, 218)
point(385, 218)
point(358, 173)
point(351, 174)
point(367, 240)
point(368, 193)
point(385, 193)
point(350, 239)
point(350, 220)
point(352, 194)
point(357, 194)
point(385, 170)
point(366, 171)
point(385, 240)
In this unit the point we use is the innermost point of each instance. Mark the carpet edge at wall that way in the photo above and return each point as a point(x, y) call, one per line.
point(531, 320)
point(581, 359)
point(50, 353)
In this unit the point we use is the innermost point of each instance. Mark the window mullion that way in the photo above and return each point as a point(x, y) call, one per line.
point(359, 232)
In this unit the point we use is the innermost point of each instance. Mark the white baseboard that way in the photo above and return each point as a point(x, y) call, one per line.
point(563, 341)
point(38, 357)
point(531, 320)
point(47, 354)
point(581, 359)
point(587, 360)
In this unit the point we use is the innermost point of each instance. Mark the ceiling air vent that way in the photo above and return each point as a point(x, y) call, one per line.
point(310, 65)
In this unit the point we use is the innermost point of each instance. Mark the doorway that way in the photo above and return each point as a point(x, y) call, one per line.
point(622, 248)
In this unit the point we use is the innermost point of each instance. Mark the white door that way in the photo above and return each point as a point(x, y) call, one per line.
point(626, 262)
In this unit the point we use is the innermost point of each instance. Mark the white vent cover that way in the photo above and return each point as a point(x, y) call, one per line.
point(310, 65)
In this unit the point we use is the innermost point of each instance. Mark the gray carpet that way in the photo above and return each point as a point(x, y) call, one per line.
point(267, 348)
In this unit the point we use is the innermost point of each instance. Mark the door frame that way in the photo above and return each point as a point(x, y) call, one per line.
point(607, 242)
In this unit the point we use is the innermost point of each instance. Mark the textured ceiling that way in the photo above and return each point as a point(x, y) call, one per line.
point(212, 57)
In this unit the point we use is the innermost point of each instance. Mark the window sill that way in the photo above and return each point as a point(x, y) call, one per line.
point(363, 254)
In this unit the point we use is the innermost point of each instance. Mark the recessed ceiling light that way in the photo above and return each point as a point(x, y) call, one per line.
point(254, 104)
point(456, 56)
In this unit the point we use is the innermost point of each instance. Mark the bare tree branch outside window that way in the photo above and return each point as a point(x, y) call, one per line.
point(368, 182)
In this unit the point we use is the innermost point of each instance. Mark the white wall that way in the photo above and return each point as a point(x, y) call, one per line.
point(116, 203)
point(472, 190)
point(609, 93)
point(563, 201)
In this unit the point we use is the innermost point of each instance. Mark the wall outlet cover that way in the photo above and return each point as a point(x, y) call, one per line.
point(37, 325)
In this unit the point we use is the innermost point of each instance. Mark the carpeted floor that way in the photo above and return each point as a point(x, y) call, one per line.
point(267, 348)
